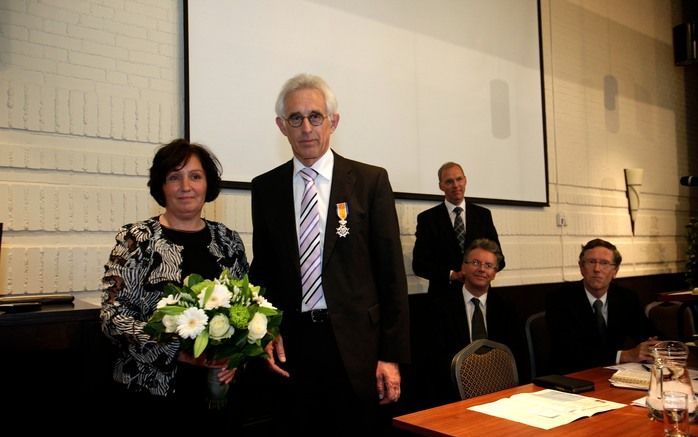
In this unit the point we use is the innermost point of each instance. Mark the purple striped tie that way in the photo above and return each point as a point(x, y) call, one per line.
point(309, 242)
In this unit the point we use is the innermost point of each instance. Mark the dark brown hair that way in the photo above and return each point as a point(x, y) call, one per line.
point(175, 155)
point(597, 242)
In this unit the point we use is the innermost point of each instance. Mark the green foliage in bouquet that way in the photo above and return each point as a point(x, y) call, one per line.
point(223, 318)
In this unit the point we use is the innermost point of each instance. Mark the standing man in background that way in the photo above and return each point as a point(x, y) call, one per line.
point(327, 248)
point(444, 231)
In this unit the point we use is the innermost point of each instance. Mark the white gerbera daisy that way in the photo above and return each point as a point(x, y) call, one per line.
point(191, 322)
point(220, 297)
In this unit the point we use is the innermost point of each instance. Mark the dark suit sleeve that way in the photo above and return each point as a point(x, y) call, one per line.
point(479, 224)
point(428, 258)
point(386, 251)
point(259, 269)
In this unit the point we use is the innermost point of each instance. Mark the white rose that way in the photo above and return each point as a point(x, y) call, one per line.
point(219, 327)
point(170, 323)
point(257, 327)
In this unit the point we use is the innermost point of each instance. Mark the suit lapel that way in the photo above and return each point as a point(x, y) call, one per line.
point(343, 180)
point(460, 317)
point(444, 222)
point(285, 221)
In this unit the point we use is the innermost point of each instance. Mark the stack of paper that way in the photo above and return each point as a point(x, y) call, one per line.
point(546, 409)
point(637, 376)
point(627, 378)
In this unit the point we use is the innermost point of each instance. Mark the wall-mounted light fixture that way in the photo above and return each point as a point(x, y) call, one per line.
point(633, 181)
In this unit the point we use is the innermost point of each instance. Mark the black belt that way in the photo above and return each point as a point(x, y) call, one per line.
point(315, 316)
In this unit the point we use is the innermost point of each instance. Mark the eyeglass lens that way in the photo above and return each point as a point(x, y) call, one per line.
point(475, 263)
point(296, 119)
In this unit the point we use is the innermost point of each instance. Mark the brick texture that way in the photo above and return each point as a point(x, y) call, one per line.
point(89, 89)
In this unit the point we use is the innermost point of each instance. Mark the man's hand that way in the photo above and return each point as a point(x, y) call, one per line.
point(456, 277)
point(275, 349)
point(388, 382)
point(640, 353)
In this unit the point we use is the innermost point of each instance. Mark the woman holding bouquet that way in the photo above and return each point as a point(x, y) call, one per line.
point(161, 250)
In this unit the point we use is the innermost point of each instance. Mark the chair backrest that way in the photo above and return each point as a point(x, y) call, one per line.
point(538, 342)
point(673, 320)
point(482, 367)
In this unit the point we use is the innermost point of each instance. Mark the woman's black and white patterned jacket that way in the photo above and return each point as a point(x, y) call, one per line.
point(139, 265)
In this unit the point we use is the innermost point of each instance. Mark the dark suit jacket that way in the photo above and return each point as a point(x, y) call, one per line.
point(575, 341)
point(363, 273)
point(436, 251)
point(451, 334)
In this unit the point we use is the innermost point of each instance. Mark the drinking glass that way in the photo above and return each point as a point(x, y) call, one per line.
point(675, 405)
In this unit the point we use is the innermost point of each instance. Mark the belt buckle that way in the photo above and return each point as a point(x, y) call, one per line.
point(318, 316)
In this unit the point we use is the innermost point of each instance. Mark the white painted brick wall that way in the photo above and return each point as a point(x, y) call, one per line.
point(89, 89)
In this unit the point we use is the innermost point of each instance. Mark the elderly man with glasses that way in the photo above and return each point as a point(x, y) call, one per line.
point(470, 312)
point(593, 322)
point(327, 248)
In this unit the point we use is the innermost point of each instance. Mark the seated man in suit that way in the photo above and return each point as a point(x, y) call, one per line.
point(444, 231)
point(469, 312)
point(593, 322)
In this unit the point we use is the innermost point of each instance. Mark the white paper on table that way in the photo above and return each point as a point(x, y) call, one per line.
point(642, 402)
point(546, 409)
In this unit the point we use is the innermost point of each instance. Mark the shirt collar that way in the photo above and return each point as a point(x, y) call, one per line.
point(450, 206)
point(323, 166)
point(467, 295)
point(593, 298)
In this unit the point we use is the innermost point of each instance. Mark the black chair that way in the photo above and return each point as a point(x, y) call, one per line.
point(673, 320)
point(482, 367)
point(538, 341)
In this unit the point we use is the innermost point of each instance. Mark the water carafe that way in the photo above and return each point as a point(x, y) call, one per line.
point(669, 373)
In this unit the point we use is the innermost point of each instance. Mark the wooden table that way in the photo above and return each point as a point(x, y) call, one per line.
point(456, 420)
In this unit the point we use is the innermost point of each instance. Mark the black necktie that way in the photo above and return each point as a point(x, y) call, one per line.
point(600, 321)
point(459, 227)
point(478, 322)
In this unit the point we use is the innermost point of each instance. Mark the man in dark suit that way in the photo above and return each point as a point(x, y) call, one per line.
point(438, 252)
point(346, 321)
point(593, 322)
point(469, 312)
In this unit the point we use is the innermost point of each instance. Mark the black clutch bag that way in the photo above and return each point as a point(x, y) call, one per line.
point(564, 383)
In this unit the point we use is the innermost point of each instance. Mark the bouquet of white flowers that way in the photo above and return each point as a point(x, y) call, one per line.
point(225, 318)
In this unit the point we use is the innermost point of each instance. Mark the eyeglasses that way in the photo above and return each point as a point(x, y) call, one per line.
point(296, 119)
point(477, 264)
point(603, 264)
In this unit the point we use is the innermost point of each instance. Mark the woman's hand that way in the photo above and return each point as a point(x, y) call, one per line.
point(225, 375)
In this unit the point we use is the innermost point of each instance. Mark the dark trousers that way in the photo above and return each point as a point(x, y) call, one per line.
point(319, 398)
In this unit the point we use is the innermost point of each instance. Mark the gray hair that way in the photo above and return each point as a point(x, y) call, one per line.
point(306, 81)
